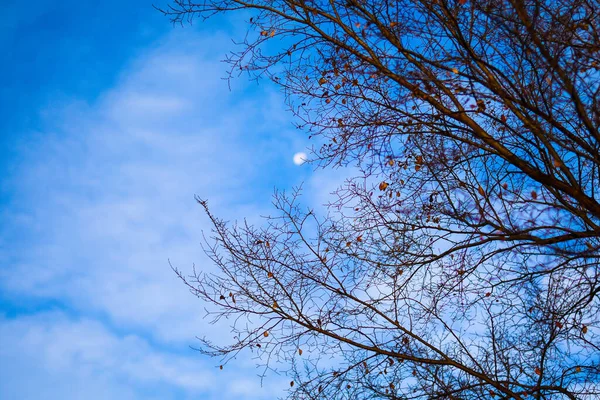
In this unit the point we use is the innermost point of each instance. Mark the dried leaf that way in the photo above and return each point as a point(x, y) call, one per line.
point(266, 334)
point(481, 191)
point(383, 185)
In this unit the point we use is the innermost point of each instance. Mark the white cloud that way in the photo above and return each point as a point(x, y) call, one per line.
point(60, 351)
point(104, 197)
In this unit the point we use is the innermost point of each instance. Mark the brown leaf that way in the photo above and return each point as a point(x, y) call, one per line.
point(292, 384)
point(537, 371)
point(481, 191)
point(266, 334)
point(481, 105)
point(383, 185)
point(584, 329)
point(269, 274)
point(299, 352)
point(533, 195)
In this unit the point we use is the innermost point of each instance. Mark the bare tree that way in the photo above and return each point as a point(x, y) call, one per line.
point(464, 261)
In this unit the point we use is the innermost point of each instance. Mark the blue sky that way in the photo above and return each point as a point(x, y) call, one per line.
point(111, 120)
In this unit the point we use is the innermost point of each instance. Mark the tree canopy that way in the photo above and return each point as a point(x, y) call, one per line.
point(463, 261)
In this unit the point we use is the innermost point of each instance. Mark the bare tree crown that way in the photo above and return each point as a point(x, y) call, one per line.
point(464, 260)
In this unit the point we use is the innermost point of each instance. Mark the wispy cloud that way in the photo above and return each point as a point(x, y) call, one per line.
point(60, 351)
point(104, 197)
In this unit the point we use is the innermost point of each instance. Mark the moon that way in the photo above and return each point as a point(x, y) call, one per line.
point(300, 158)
